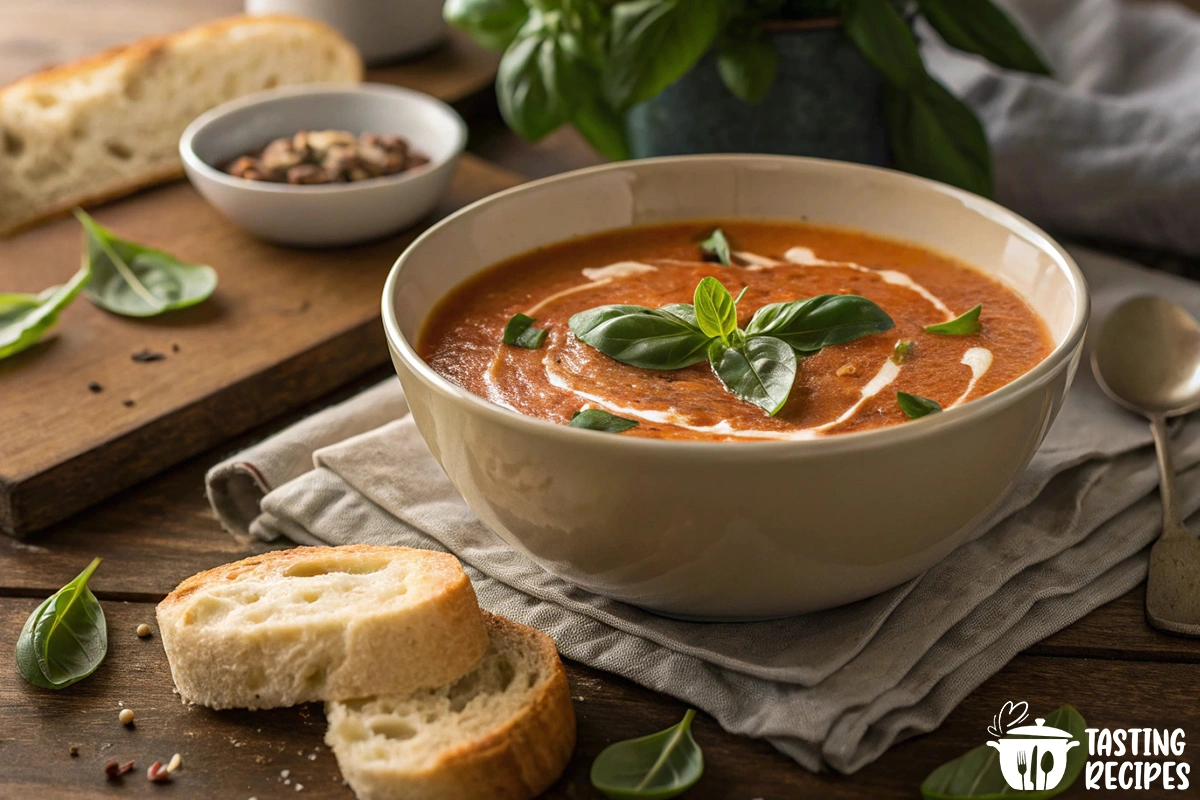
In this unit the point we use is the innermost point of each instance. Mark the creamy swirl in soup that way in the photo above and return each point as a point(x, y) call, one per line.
point(855, 385)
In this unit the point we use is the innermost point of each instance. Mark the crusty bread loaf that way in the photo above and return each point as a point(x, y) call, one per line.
point(503, 732)
point(321, 623)
point(109, 125)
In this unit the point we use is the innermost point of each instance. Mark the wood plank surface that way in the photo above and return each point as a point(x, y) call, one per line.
point(232, 754)
point(284, 326)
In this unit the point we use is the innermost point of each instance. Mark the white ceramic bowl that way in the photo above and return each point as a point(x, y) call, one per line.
point(328, 214)
point(382, 30)
point(736, 530)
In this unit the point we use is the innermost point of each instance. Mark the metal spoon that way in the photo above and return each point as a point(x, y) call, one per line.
point(1147, 359)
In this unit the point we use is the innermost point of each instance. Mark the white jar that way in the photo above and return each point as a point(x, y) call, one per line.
point(382, 30)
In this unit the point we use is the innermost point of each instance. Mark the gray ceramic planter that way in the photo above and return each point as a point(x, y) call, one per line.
point(826, 101)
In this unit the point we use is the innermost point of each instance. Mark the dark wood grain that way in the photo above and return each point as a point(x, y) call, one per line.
point(242, 753)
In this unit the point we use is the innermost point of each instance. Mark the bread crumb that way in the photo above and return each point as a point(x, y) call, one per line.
point(846, 369)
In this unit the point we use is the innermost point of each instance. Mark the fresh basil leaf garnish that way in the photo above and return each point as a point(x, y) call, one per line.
point(137, 281)
point(597, 419)
point(821, 321)
point(65, 638)
point(658, 766)
point(717, 245)
point(716, 313)
point(519, 332)
point(760, 371)
point(24, 318)
point(976, 774)
point(965, 325)
point(916, 406)
point(903, 351)
point(492, 23)
point(642, 337)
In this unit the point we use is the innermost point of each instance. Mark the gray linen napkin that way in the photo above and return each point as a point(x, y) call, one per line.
point(836, 687)
point(1110, 146)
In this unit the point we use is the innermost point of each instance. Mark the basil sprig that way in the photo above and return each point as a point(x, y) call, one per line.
point(136, 281)
point(916, 406)
point(717, 245)
point(65, 638)
point(965, 325)
point(520, 332)
point(903, 351)
point(659, 766)
point(976, 773)
point(757, 364)
point(597, 419)
point(24, 318)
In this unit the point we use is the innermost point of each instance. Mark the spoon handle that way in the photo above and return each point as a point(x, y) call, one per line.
point(1172, 523)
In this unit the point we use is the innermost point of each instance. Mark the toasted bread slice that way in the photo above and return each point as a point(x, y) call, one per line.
point(109, 125)
point(321, 623)
point(505, 731)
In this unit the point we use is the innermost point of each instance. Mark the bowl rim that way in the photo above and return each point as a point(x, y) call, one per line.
point(840, 443)
point(215, 115)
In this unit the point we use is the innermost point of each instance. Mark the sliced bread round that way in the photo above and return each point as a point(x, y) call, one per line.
point(505, 731)
point(321, 623)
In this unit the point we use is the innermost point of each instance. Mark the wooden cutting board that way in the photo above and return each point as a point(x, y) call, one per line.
point(284, 327)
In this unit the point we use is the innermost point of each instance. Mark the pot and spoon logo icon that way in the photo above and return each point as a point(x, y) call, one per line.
point(1032, 757)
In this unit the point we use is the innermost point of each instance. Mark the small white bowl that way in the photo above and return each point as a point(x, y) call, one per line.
point(324, 214)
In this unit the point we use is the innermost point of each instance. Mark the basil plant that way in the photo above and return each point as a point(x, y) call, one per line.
point(585, 62)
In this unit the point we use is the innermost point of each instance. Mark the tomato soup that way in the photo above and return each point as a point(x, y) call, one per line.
point(865, 382)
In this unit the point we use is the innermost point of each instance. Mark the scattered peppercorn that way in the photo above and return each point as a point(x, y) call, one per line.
point(157, 773)
point(126, 716)
point(127, 403)
point(73, 750)
point(94, 387)
point(145, 356)
point(143, 630)
point(174, 348)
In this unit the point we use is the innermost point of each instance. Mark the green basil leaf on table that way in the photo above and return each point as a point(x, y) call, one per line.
point(597, 419)
point(821, 321)
point(980, 27)
point(136, 281)
point(916, 406)
point(519, 332)
point(760, 371)
point(653, 43)
point(976, 774)
point(25, 318)
point(686, 312)
point(658, 766)
point(718, 246)
point(966, 324)
point(903, 351)
point(747, 64)
point(65, 638)
point(492, 23)
point(716, 313)
point(883, 37)
point(934, 134)
point(641, 337)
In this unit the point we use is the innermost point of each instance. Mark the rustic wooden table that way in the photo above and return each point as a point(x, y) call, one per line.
point(1115, 669)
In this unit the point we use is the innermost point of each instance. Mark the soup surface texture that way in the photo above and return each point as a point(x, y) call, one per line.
point(839, 389)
